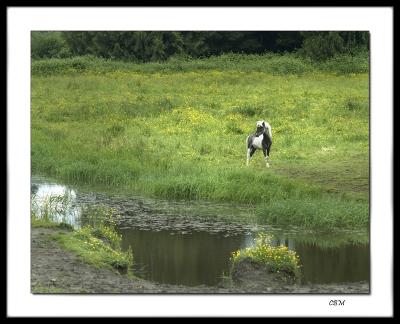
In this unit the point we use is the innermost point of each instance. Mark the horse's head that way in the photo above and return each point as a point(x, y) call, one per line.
point(260, 127)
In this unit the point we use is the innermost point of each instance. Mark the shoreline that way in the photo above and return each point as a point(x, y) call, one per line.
point(56, 271)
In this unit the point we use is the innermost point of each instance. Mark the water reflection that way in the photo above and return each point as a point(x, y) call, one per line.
point(55, 201)
point(350, 263)
point(197, 258)
point(283, 240)
point(202, 258)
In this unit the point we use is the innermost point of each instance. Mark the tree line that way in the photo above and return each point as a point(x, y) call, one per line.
point(147, 46)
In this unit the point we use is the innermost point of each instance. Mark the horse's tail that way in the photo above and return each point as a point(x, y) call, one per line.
point(248, 142)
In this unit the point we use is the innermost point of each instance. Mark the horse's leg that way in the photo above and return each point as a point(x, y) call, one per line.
point(266, 155)
point(250, 152)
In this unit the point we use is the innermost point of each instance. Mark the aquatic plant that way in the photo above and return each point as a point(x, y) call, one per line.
point(51, 211)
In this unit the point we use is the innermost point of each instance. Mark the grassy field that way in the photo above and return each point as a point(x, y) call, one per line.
point(177, 130)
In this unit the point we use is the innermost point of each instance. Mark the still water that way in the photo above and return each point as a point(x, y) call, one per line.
point(190, 243)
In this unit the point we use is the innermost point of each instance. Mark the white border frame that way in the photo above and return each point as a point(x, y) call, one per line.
point(20, 22)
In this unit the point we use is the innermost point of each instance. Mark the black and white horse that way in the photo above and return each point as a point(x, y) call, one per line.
point(261, 139)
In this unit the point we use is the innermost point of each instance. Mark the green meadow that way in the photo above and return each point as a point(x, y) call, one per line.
point(177, 130)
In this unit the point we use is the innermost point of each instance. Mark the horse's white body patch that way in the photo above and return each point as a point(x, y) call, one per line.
point(257, 141)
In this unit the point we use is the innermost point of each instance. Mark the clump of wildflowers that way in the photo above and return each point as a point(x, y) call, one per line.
point(276, 258)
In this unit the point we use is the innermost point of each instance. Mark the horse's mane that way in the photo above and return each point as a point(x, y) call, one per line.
point(269, 130)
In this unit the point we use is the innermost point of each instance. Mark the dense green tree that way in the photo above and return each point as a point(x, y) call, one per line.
point(194, 43)
point(48, 44)
point(288, 41)
point(79, 43)
point(144, 46)
point(323, 45)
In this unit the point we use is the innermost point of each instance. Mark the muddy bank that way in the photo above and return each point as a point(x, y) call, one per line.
point(59, 270)
point(178, 216)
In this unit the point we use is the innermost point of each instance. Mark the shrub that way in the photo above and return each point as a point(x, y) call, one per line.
point(346, 63)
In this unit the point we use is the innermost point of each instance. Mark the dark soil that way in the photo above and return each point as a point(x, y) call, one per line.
point(247, 272)
point(56, 270)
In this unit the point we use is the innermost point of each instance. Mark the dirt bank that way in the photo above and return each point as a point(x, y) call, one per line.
point(57, 270)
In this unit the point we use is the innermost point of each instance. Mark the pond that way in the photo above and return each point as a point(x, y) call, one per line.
point(190, 243)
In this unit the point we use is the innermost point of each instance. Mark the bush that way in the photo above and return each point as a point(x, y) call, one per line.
point(346, 63)
point(64, 66)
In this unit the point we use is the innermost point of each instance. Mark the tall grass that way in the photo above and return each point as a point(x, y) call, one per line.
point(181, 134)
point(324, 212)
point(273, 63)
